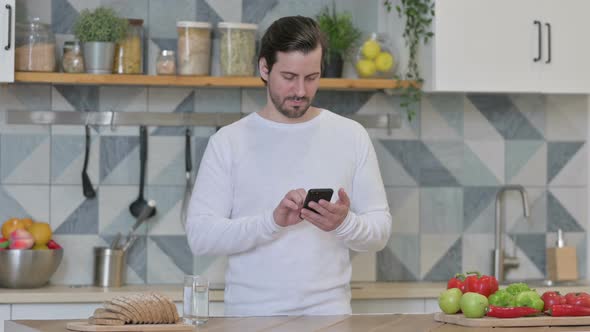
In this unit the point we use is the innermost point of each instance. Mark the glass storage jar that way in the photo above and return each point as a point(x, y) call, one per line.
point(166, 63)
point(35, 47)
point(194, 47)
point(72, 60)
point(237, 48)
point(129, 51)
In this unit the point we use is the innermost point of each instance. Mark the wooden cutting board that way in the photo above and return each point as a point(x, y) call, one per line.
point(85, 327)
point(459, 319)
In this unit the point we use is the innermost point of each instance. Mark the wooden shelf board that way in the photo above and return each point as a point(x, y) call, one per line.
point(197, 81)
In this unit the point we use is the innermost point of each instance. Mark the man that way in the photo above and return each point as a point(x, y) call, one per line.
point(250, 189)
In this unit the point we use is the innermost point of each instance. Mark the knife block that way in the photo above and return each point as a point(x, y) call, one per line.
point(562, 264)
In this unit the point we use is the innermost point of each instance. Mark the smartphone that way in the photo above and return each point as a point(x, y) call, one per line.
point(314, 195)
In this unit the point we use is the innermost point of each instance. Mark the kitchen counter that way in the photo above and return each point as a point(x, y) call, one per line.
point(375, 323)
point(360, 291)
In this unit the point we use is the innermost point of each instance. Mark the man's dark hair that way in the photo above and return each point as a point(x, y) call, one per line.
point(288, 34)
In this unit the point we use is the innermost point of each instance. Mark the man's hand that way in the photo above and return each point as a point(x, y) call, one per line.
point(288, 211)
point(329, 215)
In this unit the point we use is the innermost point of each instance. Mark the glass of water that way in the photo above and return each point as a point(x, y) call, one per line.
point(195, 300)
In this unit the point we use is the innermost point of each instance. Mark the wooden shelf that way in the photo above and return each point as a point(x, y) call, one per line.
point(197, 81)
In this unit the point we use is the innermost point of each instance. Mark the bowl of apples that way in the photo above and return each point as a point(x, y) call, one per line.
point(28, 255)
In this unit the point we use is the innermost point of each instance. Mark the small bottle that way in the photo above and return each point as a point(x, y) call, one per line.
point(72, 60)
point(166, 63)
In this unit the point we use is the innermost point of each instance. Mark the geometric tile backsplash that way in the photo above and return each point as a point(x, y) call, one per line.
point(441, 171)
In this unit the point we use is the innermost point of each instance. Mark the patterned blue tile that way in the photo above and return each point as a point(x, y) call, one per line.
point(475, 171)
point(218, 100)
point(207, 14)
point(163, 15)
point(187, 105)
point(518, 154)
point(137, 257)
point(475, 201)
point(82, 98)
point(533, 245)
point(176, 247)
point(504, 116)
point(137, 9)
point(420, 163)
point(253, 11)
point(64, 150)
point(84, 220)
point(558, 217)
point(63, 16)
point(400, 257)
point(441, 210)
point(114, 149)
point(341, 102)
point(21, 157)
point(9, 206)
point(448, 265)
point(558, 155)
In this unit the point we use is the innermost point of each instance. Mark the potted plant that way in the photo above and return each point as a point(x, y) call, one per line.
point(98, 31)
point(417, 16)
point(341, 35)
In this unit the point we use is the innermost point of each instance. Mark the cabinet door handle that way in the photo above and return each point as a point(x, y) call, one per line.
point(7, 47)
point(538, 24)
point(548, 42)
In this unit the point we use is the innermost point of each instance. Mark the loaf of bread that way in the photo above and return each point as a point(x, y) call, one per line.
point(143, 308)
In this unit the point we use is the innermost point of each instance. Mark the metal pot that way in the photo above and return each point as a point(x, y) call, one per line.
point(98, 57)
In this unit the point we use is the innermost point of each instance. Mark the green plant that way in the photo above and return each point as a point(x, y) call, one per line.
point(100, 25)
point(418, 18)
point(340, 32)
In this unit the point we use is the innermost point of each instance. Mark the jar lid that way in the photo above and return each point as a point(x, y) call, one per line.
point(236, 25)
point(193, 24)
point(167, 52)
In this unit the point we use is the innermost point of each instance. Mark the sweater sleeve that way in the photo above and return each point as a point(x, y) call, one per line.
point(367, 226)
point(210, 231)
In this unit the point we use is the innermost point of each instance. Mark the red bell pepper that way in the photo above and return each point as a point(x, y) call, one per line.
point(565, 310)
point(510, 312)
point(457, 282)
point(484, 285)
point(551, 298)
point(580, 299)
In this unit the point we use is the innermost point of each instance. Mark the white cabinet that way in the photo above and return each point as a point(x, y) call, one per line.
point(7, 17)
point(508, 46)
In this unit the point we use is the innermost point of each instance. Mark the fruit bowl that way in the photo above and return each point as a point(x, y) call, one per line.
point(28, 268)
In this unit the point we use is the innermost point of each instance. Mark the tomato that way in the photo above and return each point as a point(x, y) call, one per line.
point(551, 298)
point(579, 299)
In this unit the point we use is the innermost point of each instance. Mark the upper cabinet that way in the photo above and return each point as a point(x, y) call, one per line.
point(508, 46)
point(7, 40)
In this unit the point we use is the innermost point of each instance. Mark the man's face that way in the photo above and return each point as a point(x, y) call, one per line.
point(294, 81)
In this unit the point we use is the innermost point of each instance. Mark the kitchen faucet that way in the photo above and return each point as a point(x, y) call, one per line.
point(501, 260)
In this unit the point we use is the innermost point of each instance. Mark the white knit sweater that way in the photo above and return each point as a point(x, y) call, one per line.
point(246, 170)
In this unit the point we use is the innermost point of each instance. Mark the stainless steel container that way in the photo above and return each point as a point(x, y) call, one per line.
point(99, 57)
point(28, 268)
point(109, 267)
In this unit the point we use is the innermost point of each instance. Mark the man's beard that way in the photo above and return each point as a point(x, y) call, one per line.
point(294, 112)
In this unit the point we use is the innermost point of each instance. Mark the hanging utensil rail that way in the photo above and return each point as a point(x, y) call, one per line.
point(386, 121)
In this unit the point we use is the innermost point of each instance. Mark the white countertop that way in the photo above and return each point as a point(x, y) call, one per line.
point(360, 291)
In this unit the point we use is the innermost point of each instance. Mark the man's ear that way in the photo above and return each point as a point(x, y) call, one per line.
point(263, 68)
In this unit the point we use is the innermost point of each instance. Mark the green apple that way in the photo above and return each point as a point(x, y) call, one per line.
point(473, 305)
point(449, 301)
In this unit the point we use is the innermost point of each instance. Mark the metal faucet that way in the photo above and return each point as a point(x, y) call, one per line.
point(502, 261)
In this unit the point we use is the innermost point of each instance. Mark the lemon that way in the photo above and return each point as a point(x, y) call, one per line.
point(40, 247)
point(384, 62)
point(370, 49)
point(365, 68)
point(41, 232)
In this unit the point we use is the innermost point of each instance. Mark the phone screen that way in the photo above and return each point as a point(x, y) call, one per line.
point(314, 195)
